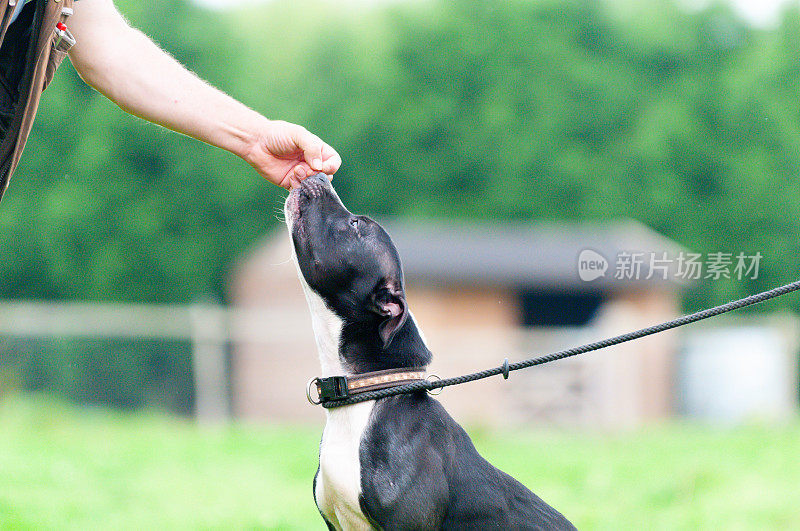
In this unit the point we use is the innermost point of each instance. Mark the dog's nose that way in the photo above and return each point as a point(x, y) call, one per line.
point(324, 179)
point(315, 185)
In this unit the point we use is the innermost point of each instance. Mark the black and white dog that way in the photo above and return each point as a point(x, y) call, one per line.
point(400, 462)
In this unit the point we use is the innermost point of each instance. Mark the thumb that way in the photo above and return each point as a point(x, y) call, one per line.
point(312, 147)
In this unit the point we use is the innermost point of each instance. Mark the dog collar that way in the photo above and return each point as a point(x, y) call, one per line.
point(334, 388)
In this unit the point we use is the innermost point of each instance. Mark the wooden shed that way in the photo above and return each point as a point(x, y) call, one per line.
point(482, 292)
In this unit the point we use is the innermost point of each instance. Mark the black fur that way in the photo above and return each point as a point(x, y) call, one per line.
point(419, 468)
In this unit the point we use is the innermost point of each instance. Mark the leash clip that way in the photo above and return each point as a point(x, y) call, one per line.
point(328, 389)
point(434, 378)
point(309, 385)
point(63, 40)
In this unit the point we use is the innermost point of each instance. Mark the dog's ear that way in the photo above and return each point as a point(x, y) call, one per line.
point(390, 304)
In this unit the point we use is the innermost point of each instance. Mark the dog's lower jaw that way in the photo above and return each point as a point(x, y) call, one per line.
point(326, 324)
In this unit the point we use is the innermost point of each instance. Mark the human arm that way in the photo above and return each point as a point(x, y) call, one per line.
point(127, 67)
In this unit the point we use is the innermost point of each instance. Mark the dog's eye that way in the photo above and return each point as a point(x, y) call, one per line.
point(354, 222)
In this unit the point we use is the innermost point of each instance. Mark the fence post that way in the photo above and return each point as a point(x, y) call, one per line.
point(210, 367)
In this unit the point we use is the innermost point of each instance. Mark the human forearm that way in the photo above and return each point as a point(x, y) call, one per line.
point(127, 67)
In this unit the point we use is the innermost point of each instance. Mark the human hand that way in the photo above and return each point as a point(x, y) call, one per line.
point(286, 153)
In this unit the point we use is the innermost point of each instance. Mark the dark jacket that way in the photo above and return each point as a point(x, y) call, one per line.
point(28, 60)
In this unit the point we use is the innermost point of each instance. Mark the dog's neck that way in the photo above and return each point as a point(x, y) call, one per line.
point(327, 332)
point(350, 348)
point(362, 349)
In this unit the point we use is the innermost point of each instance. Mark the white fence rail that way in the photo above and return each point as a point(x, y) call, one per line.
point(621, 386)
point(209, 329)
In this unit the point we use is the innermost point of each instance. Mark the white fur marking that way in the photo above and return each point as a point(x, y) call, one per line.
point(339, 481)
point(327, 331)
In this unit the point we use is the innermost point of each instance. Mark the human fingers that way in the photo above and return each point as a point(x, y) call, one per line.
point(301, 171)
point(331, 160)
point(311, 145)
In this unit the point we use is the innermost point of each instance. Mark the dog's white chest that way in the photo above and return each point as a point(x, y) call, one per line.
point(339, 481)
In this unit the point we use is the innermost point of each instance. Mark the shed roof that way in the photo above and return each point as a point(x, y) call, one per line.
point(543, 254)
point(533, 255)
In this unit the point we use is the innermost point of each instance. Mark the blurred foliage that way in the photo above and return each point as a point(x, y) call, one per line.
point(687, 121)
point(513, 110)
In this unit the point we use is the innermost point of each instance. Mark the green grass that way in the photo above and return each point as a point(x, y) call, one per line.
point(73, 468)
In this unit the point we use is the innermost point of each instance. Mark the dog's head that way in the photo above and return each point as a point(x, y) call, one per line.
point(351, 264)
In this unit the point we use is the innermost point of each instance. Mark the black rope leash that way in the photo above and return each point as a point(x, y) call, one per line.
point(505, 368)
